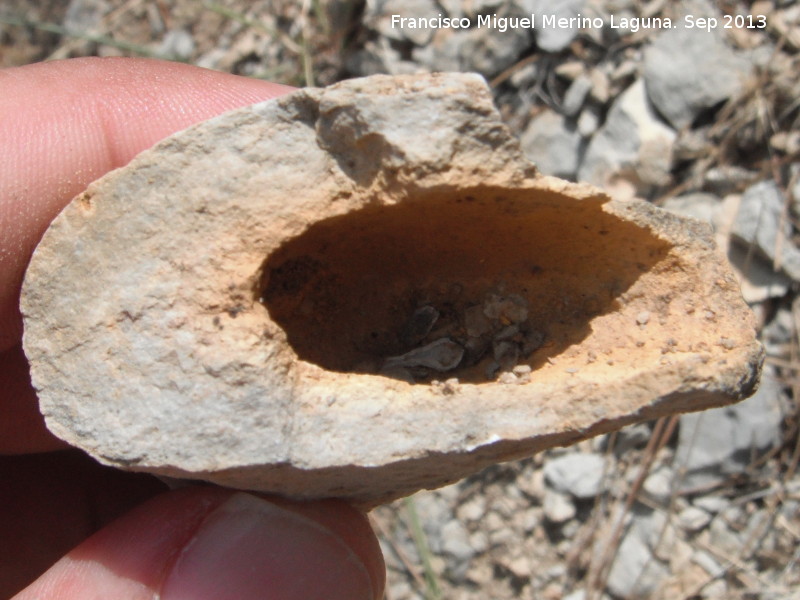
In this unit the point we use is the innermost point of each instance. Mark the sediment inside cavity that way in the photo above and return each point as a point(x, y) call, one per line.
point(347, 289)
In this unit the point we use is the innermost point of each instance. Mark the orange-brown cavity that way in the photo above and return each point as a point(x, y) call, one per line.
point(350, 291)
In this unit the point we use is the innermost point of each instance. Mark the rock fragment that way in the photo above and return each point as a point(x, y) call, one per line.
point(578, 474)
point(555, 39)
point(635, 571)
point(689, 70)
point(762, 223)
point(722, 442)
point(553, 144)
point(441, 355)
point(558, 507)
point(633, 144)
point(206, 311)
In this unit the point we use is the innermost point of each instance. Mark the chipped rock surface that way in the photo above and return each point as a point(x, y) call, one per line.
point(579, 474)
point(722, 442)
point(680, 85)
point(221, 308)
point(633, 142)
point(553, 144)
point(761, 222)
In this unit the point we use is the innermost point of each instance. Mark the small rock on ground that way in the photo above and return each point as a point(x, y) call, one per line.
point(580, 474)
point(717, 443)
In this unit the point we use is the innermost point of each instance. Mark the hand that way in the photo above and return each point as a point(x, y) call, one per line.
point(62, 125)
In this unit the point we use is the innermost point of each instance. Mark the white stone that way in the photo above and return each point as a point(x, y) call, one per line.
point(558, 507)
point(633, 144)
point(761, 223)
point(658, 485)
point(456, 542)
point(635, 572)
point(553, 39)
point(553, 144)
point(579, 474)
point(714, 444)
point(693, 519)
point(689, 70)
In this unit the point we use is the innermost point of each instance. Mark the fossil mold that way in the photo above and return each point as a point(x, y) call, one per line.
point(365, 290)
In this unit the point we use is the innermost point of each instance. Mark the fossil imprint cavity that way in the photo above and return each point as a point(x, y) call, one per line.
point(364, 290)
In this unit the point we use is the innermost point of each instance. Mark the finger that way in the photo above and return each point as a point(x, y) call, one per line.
point(52, 502)
point(201, 543)
point(65, 123)
point(22, 428)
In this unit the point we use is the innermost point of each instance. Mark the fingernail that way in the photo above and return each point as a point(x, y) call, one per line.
point(249, 548)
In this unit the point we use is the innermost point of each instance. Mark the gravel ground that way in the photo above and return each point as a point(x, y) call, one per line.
point(702, 121)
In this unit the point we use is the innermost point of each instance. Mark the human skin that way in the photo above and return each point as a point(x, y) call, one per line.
point(71, 528)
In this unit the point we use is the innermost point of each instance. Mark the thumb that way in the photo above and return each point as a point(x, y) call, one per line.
point(209, 543)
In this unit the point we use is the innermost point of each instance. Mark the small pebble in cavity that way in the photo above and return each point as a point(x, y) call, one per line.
point(507, 378)
point(447, 387)
point(442, 355)
point(400, 373)
point(475, 322)
point(475, 348)
point(523, 373)
point(491, 370)
point(419, 325)
point(508, 309)
point(643, 317)
point(506, 354)
point(506, 333)
point(532, 341)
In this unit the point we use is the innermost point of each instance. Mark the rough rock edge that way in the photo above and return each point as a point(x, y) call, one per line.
point(78, 340)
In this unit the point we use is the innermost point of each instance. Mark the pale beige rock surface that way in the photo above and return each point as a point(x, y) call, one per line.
point(239, 303)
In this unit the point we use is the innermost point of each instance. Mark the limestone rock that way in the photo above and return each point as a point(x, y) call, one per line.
point(558, 507)
point(378, 15)
point(635, 572)
point(722, 442)
point(633, 144)
point(761, 223)
point(688, 71)
point(553, 144)
point(220, 308)
point(553, 39)
point(580, 474)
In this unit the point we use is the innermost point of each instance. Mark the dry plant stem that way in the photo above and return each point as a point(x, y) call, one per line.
point(667, 434)
point(776, 489)
point(411, 568)
point(586, 537)
point(780, 238)
point(502, 77)
point(750, 577)
point(790, 565)
point(278, 36)
point(598, 576)
point(756, 539)
point(108, 23)
point(795, 361)
point(792, 468)
point(97, 39)
point(421, 542)
point(308, 61)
